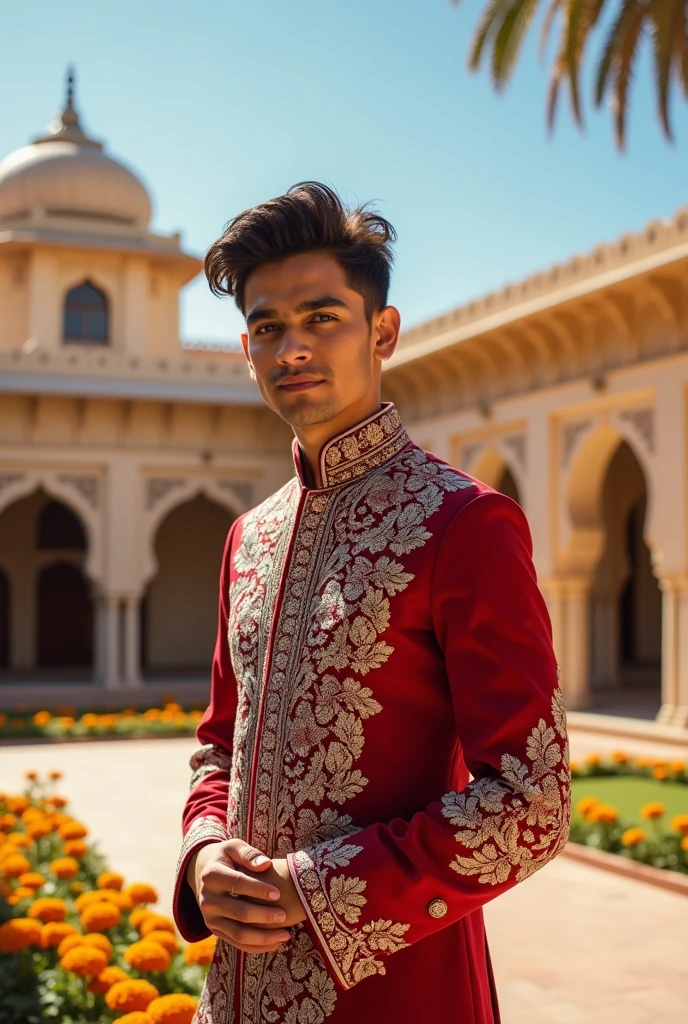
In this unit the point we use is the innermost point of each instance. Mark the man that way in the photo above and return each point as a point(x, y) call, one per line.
point(381, 636)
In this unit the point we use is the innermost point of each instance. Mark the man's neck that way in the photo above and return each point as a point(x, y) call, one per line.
point(313, 439)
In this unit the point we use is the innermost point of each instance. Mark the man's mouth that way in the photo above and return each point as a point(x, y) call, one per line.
point(304, 385)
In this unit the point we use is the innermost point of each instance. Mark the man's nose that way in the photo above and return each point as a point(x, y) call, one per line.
point(294, 347)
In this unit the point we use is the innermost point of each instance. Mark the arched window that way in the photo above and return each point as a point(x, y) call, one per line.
point(86, 315)
point(59, 529)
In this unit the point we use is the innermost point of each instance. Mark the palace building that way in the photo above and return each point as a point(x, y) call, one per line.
point(125, 456)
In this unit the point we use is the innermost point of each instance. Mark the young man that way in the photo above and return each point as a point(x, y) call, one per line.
point(381, 636)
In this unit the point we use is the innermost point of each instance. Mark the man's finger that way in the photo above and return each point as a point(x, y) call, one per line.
point(220, 878)
point(245, 935)
point(247, 913)
point(247, 856)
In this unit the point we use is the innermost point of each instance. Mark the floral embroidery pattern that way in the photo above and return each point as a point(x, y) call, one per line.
point(369, 446)
point(208, 759)
point(496, 818)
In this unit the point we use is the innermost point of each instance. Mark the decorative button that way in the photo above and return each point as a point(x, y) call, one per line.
point(437, 908)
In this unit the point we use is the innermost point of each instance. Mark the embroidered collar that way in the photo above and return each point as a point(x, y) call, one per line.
point(358, 450)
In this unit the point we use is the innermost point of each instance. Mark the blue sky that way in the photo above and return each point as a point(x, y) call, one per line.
point(219, 105)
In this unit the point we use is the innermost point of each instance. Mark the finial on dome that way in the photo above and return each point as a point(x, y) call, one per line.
point(66, 126)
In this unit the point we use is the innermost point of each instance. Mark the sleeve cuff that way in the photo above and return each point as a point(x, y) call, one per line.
point(187, 913)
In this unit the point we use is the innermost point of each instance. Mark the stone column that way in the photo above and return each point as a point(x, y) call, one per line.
point(681, 713)
point(107, 637)
point(674, 708)
point(132, 642)
point(575, 671)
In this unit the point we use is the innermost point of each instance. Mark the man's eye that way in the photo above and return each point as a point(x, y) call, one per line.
point(267, 328)
point(322, 317)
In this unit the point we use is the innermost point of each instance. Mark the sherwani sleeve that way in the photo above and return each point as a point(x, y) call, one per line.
point(393, 883)
point(205, 812)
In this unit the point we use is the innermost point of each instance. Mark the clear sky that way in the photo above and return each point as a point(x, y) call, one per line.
point(220, 104)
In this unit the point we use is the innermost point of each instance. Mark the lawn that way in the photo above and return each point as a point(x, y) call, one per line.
point(629, 794)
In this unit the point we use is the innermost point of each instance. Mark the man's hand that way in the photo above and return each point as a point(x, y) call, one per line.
point(290, 901)
point(225, 895)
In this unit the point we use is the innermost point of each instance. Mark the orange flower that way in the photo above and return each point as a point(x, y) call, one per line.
point(75, 848)
point(166, 939)
point(684, 843)
point(586, 805)
point(18, 933)
point(65, 867)
point(131, 995)
point(120, 899)
point(137, 1017)
point(14, 865)
point(677, 767)
point(660, 773)
point(620, 757)
point(32, 879)
point(141, 892)
point(22, 892)
point(106, 979)
point(39, 829)
point(55, 776)
point(73, 830)
point(156, 922)
point(3, 719)
point(652, 811)
point(110, 880)
point(633, 836)
point(41, 718)
point(679, 824)
point(174, 1009)
point(99, 916)
point(147, 956)
point(593, 759)
point(54, 932)
point(48, 908)
point(603, 814)
point(59, 801)
point(31, 775)
point(70, 942)
point(138, 915)
point(18, 839)
point(201, 952)
point(574, 766)
point(86, 961)
point(643, 762)
point(65, 721)
point(7, 822)
point(17, 804)
point(77, 887)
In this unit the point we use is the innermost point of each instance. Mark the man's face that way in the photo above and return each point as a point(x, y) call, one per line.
point(310, 346)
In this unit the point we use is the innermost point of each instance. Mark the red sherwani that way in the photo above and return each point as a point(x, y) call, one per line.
point(380, 638)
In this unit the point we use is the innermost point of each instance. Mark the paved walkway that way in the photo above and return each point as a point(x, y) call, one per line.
point(572, 945)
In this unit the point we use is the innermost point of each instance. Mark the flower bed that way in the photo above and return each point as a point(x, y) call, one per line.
point(76, 943)
point(70, 723)
point(661, 841)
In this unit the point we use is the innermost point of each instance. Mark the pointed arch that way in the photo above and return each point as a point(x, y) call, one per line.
point(86, 315)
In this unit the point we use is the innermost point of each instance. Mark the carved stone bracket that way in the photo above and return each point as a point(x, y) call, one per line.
point(87, 486)
point(7, 479)
point(517, 445)
point(643, 421)
point(243, 489)
point(158, 487)
point(571, 433)
point(469, 453)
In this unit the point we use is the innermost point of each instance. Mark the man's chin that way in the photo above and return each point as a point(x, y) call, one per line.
point(308, 413)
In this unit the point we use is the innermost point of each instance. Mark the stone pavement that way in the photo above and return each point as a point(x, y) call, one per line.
point(572, 945)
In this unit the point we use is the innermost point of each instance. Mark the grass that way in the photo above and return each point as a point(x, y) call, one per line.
point(628, 795)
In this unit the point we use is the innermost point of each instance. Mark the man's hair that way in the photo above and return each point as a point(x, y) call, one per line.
point(310, 217)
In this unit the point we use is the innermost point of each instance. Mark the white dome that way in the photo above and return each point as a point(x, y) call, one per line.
point(66, 173)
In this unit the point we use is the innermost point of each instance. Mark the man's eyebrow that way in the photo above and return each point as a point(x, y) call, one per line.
point(312, 304)
point(261, 314)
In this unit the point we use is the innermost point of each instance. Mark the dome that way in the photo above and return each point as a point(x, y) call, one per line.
point(67, 174)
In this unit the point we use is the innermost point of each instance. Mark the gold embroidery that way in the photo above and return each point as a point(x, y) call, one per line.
point(200, 831)
point(208, 759)
point(369, 446)
point(536, 796)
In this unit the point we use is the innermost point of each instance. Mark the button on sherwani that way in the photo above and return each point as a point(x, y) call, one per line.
point(385, 714)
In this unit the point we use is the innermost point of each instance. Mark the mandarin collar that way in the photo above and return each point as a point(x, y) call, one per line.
point(356, 451)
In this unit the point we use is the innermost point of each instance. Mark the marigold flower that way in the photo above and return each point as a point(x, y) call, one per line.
point(18, 933)
point(55, 775)
point(39, 829)
point(120, 899)
point(173, 1009)
point(17, 804)
point(603, 814)
point(75, 848)
point(633, 836)
point(99, 916)
point(620, 757)
point(7, 822)
point(32, 879)
point(677, 767)
point(48, 908)
point(141, 892)
point(573, 766)
point(59, 801)
point(593, 759)
point(65, 721)
point(110, 880)
point(19, 839)
point(77, 887)
point(138, 915)
point(106, 979)
point(660, 773)
point(41, 718)
point(201, 952)
point(89, 720)
point(14, 865)
point(65, 867)
point(652, 811)
point(147, 956)
point(86, 899)
point(99, 941)
point(156, 922)
point(137, 1017)
point(643, 762)
point(73, 830)
point(31, 775)
point(54, 932)
point(684, 843)
point(167, 940)
point(86, 961)
point(22, 892)
point(585, 805)
point(679, 824)
point(69, 942)
point(133, 994)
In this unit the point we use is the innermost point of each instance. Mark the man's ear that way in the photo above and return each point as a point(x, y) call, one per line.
point(244, 345)
point(386, 332)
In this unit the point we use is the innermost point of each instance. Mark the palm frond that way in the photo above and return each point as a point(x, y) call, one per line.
point(582, 17)
point(631, 21)
point(490, 22)
point(555, 7)
point(666, 23)
point(509, 39)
